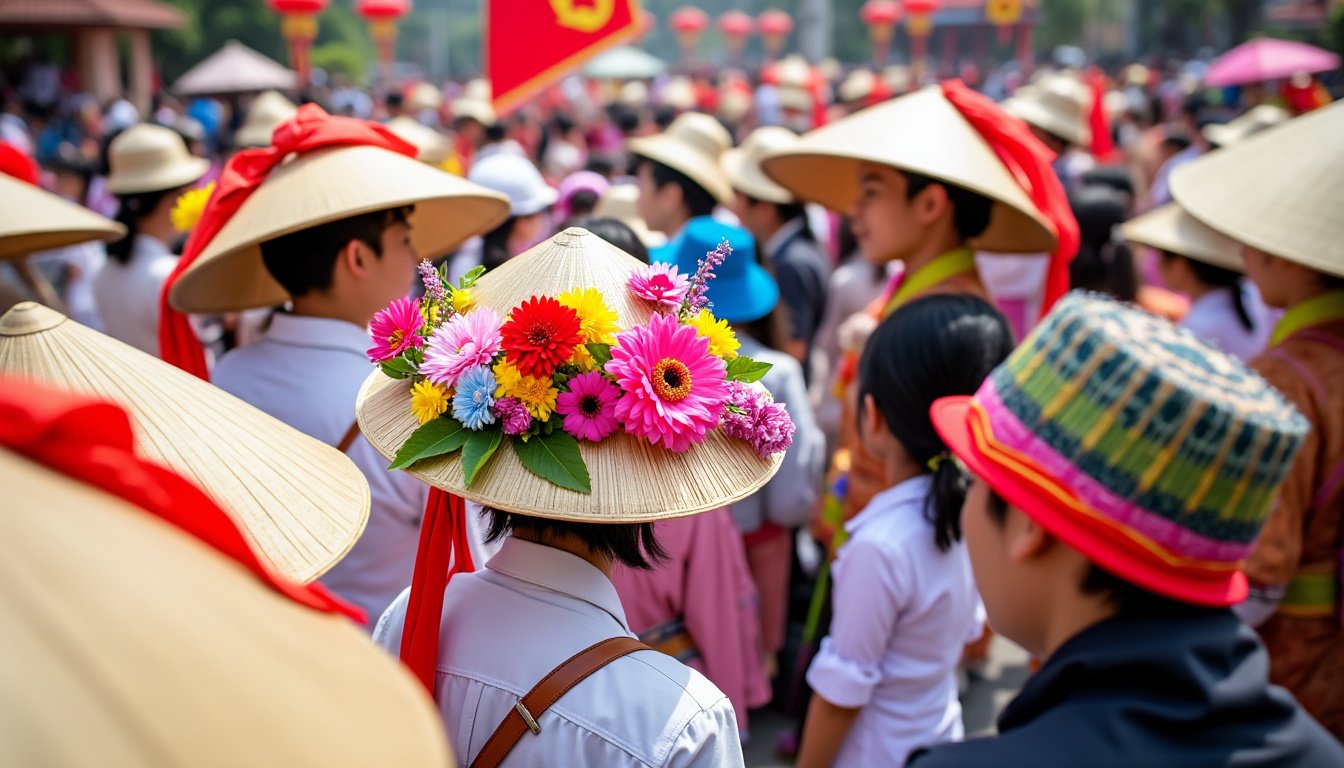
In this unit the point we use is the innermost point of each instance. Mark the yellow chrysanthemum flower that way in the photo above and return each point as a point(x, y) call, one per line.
point(536, 395)
point(428, 401)
point(462, 299)
point(597, 321)
point(429, 311)
point(722, 341)
point(189, 207)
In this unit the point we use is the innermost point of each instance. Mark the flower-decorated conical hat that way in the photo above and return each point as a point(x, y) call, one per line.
point(632, 480)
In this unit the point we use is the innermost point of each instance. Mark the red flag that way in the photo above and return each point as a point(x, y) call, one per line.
point(532, 43)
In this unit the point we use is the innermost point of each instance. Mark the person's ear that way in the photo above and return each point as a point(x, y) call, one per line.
point(671, 196)
point(931, 202)
point(1027, 539)
point(871, 418)
point(355, 257)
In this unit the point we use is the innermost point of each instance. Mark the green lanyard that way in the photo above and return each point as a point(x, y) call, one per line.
point(947, 266)
point(1325, 308)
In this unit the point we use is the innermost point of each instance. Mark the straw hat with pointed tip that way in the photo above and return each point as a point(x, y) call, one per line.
point(267, 111)
point(693, 145)
point(858, 85)
point(632, 480)
point(424, 96)
point(920, 133)
point(743, 164)
point(621, 202)
point(322, 186)
point(1245, 126)
point(1170, 228)
point(431, 147)
point(301, 502)
point(151, 158)
point(32, 219)
point(1278, 191)
point(1057, 104)
point(147, 637)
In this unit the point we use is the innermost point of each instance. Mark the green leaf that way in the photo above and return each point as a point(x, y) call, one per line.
point(601, 354)
point(556, 459)
point(434, 438)
point(746, 369)
point(398, 368)
point(478, 450)
point(469, 279)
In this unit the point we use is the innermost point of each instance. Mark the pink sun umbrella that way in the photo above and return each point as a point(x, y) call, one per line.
point(1268, 59)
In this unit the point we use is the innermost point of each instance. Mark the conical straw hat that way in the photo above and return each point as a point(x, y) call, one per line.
point(692, 144)
point(1170, 228)
point(920, 133)
point(33, 219)
point(632, 480)
point(301, 502)
point(431, 147)
point(150, 641)
point(267, 111)
point(743, 164)
point(1279, 191)
point(323, 186)
point(1057, 104)
point(1254, 121)
point(150, 158)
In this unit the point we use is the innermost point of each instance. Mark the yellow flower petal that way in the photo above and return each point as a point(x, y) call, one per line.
point(428, 401)
point(722, 341)
point(190, 205)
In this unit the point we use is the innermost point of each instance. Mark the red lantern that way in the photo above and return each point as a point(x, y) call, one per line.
point(1003, 14)
point(919, 23)
point(881, 17)
point(735, 26)
point(382, 16)
point(775, 26)
point(298, 25)
point(688, 22)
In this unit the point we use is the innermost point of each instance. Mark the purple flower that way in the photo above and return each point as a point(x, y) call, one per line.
point(752, 415)
point(697, 298)
point(513, 415)
point(433, 285)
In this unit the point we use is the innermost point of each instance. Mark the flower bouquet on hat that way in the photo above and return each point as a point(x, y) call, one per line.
point(576, 356)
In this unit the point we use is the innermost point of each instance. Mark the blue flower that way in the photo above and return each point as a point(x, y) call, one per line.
point(475, 395)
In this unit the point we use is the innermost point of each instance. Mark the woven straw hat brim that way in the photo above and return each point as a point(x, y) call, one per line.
point(1029, 108)
point(431, 146)
point(700, 167)
point(33, 219)
point(746, 177)
point(632, 481)
point(920, 133)
point(1169, 228)
point(146, 637)
point(302, 503)
point(180, 173)
point(1278, 191)
point(323, 186)
point(267, 111)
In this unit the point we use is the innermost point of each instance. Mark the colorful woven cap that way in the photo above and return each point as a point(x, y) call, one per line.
point(742, 291)
point(1154, 455)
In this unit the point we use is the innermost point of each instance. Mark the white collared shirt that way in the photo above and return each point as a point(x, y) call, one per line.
point(1213, 318)
point(128, 294)
point(903, 611)
point(506, 627)
point(307, 371)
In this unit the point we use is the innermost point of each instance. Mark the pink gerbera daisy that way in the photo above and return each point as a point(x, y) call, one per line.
point(660, 283)
point(674, 388)
point(464, 342)
point(589, 407)
point(395, 330)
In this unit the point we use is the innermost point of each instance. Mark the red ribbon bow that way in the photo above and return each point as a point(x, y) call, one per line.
point(443, 553)
point(1028, 160)
point(91, 440)
point(312, 128)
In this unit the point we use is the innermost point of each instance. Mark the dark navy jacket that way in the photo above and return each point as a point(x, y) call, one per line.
point(1181, 691)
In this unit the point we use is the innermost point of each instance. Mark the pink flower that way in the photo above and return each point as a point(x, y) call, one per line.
point(512, 415)
point(659, 283)
point(589, 407)
point(464, 342)
point(752, 415)
point(395, 330)
point(674, 388)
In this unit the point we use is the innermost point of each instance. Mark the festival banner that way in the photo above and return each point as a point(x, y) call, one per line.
point(530, 44)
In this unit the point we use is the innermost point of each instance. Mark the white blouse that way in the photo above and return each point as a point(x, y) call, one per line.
point(128, 294)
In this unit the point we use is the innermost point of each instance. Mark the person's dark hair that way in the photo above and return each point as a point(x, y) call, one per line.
point(305, 261)
point(495, 244)
point(614, 231)
point(562, 122)
point(496, 132)
point(1104, 263)
point(1128, 598)
point(626, 118)
point(582, 202)
point(970, 210)
point(663, 116)
point(1217, 277)
point(932, 347)
point(1116, 177)
point(698, 200)
point(632, 544)
point(130, 209)
point(600, 164)
point(1176, 139)
point(394, 100)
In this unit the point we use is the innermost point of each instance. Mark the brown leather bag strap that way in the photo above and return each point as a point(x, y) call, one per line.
point(349, 437)
point(524, 714)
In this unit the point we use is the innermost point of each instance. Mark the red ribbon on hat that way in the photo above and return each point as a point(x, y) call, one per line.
point(443, 553)
point(91, 440)
point(1102, 146)
point(1028, 160)
point(312, 128)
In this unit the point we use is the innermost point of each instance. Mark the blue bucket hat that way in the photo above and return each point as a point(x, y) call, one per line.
point(741, 291)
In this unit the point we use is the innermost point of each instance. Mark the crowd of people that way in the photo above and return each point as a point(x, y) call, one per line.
point(864, 371)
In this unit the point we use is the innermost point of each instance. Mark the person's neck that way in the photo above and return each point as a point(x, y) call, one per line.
point(676, 223)
point(1196, 290)
point(767, 230)
point(929, 250)
point(571, 544)
point(159, 227)
point(1305, 291)
point(1071, 617)
point(324, 305)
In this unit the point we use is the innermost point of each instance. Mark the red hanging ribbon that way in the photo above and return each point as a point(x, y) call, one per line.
point(91, 441)
point(1102, 146)
point(312, 128)
point(443, 553)
point(1028, 160)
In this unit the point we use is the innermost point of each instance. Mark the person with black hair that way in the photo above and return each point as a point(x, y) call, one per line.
point(530, 197)
point(613, 230)
point(884, 682)
point(150, 168)
point(679, 174)
point(1104, 263)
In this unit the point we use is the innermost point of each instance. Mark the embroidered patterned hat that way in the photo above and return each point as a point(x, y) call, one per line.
point(1155, 456)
